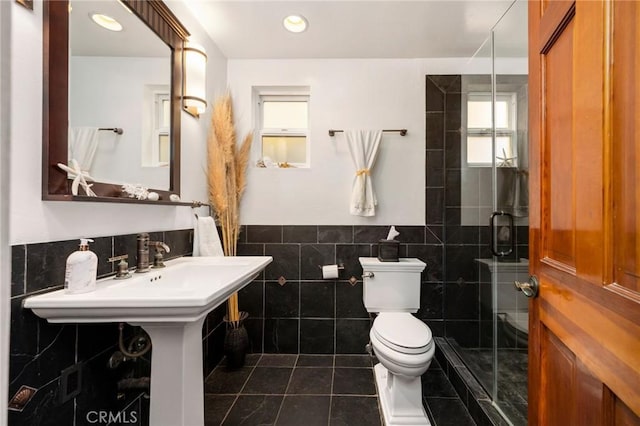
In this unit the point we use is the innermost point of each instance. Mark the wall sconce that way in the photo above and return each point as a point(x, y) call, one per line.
point(194, 77)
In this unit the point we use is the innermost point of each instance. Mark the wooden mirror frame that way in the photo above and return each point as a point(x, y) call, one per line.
point(55, 184)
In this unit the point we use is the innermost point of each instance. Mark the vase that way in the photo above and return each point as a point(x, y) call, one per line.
point(236, 341)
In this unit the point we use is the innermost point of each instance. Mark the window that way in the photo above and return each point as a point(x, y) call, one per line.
point(479, 133)
point(162, 123)
point(283, 128)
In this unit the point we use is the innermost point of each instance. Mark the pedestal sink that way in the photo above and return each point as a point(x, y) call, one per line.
point(170, 304)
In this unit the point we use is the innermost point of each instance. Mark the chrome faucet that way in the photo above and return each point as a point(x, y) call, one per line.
point(143, 253)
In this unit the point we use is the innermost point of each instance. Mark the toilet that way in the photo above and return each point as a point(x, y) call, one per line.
point(402, 343)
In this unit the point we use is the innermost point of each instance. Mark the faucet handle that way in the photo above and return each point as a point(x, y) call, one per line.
point(160, 246)
point(158, 261)
point(123, 267)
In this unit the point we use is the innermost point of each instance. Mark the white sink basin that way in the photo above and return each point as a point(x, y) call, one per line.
point(170, 304)
point(187, 288)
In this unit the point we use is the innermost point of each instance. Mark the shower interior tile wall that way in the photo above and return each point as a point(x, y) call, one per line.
point(40, 351)
point(466, 317)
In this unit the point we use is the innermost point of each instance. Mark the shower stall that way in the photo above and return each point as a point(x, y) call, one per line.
point(485, 213)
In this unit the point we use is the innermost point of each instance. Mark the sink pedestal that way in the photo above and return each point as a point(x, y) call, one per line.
point(170, 305)
point(177, 385)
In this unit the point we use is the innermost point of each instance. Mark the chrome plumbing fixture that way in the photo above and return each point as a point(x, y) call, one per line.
point(158, 261)
point(143, 253)
point(123, 267)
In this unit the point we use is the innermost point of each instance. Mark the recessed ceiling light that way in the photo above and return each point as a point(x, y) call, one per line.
point(295, 23)
point(106, 22)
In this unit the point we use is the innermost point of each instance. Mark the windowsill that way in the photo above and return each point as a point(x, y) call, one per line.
point(155, 166)
point(489, 165)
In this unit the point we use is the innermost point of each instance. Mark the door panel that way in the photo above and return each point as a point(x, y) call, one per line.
point(580, 402)
point(626, 150)
point(558, 361)
point(585, 192)
point(559, 229)
point(624, 416)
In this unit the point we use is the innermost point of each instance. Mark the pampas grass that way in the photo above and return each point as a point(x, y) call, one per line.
point(227, 166)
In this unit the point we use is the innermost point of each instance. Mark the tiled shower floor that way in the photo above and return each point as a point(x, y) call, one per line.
point(314, 390)
point(512, 377)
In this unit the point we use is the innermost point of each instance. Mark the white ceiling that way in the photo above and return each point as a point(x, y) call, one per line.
point(252, 29)
point(245, 29)
point(89, 39)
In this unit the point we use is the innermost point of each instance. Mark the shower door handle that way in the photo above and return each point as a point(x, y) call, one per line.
point(493, 245)
point(529, 288)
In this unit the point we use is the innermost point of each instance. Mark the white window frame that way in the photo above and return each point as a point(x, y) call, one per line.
point(158, 129)
point(284, 94)
point(512, 99)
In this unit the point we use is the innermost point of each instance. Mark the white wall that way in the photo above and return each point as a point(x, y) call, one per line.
point(5, 249)
point(101, 95)
point(345, 94)
point(34, 220)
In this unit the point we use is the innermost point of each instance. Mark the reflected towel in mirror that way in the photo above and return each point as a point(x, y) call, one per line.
point(83, 143)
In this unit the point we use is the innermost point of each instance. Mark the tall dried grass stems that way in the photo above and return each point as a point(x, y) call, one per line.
point(227, 166)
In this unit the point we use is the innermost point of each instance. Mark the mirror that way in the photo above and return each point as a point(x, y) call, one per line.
point(101, 96)
point(97, 80)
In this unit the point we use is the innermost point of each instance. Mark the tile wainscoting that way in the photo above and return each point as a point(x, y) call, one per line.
point(310, 315)
point(40, 352)
point(305, 315)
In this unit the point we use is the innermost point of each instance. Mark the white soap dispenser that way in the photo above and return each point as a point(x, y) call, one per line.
point(82, 268)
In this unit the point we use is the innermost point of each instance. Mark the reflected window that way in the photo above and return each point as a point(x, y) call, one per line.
point(479, 130)
point(162, 147)
point(284, 129)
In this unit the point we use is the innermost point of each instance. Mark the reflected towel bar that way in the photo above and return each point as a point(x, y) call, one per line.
point(117, 130)
point(195, 204)
point(403, 132)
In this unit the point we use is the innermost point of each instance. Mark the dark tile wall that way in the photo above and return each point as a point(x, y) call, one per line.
point(40, 351)
point(311, 315)
point(465, 317)
point(462, 244)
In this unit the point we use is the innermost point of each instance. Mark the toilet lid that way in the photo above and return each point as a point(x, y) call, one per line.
point(402, 332)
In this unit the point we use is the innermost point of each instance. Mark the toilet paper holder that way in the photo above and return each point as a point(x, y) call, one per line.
point(340, 266)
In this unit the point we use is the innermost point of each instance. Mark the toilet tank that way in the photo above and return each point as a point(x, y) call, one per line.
point(391, 286)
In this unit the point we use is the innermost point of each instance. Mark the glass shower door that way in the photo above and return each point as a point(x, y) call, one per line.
point(509, 220)
point(486, 213)
point(468, 195)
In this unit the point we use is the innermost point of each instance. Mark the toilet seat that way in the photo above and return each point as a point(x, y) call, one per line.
point(402, 332)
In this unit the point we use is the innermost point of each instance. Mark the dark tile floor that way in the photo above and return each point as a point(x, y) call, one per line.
point(315, 390)
point(293, 390)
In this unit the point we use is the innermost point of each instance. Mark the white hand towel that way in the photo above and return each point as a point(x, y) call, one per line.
point(206, 241)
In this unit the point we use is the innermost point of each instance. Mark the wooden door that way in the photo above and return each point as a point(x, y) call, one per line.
point(585, 212)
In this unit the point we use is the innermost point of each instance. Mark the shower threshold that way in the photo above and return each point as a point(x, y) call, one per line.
point(483, 409)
